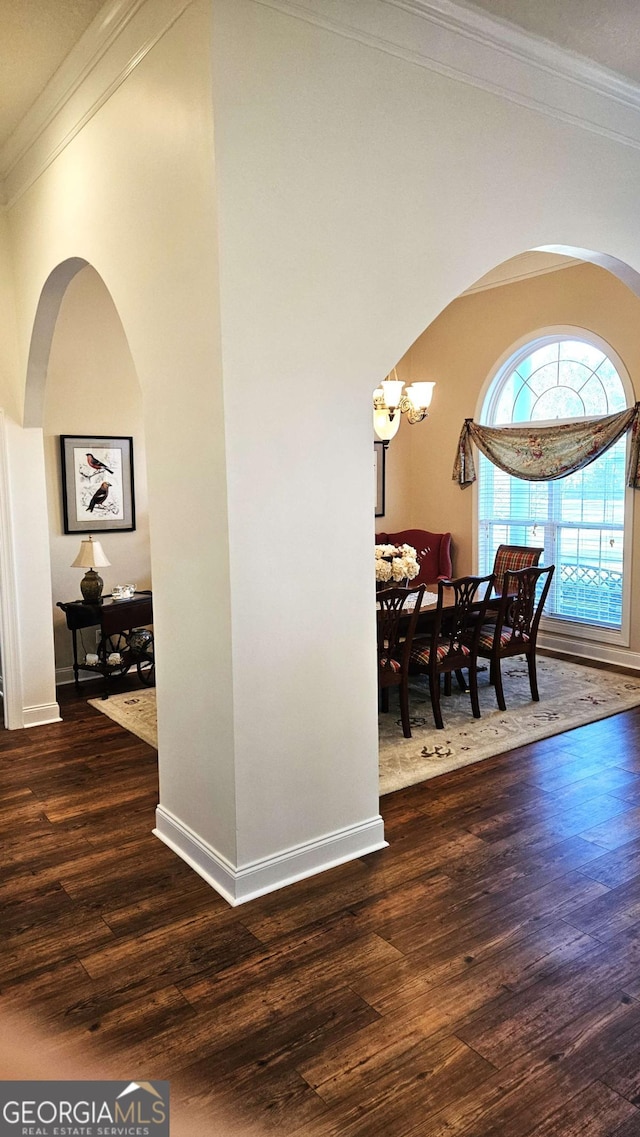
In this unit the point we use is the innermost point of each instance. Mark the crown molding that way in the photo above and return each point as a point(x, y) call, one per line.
point(470, 46)
point(482, 27)
point(523, 267)
point(443, 36)
point(114, 44)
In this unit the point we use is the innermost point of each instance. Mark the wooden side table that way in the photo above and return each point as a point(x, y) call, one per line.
point(117, 619)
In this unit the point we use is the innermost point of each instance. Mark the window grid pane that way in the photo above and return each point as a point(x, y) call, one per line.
point(578, 520)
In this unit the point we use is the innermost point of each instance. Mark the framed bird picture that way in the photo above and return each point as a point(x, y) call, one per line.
point(97, 483)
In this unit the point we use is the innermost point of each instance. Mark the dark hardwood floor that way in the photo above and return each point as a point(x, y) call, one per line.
point(479, 977)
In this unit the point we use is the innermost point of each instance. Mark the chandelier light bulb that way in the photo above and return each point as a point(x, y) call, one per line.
point(389, 399)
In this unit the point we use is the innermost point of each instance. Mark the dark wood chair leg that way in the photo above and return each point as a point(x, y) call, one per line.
point(473, 687)
point(384, 699)
point(462, 682)
point(404, 709)
point(434, 691)
point(533, 676)
point(497, 680)
point(447, 682)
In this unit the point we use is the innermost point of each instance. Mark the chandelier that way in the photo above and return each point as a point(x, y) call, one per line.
point(390, 403)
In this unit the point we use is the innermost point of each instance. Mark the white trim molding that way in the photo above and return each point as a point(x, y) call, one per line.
point(473, 47)
point(238, 885)
point(9, 634)
point(65, 675)
point(459, 42)
point(120, 37)
point(589, 651)
point(524, 266)
point(41, 715)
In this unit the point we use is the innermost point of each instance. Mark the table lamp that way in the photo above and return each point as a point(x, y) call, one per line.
point(91, 555)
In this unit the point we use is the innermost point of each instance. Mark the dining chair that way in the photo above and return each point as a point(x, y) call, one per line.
point(515, 631)
point(509, 557)
point(433, 551)
point(397, 615)
point(512, 557)
point(452, 642)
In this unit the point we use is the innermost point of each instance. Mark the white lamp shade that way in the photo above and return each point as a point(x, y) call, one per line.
point(392, 391)
point(385, 427)
point(420, 394)
point(91, 555)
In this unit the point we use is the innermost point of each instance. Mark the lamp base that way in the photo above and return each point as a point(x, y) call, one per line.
point(91, 586)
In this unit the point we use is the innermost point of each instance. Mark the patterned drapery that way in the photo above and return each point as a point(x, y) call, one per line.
point(540, 454)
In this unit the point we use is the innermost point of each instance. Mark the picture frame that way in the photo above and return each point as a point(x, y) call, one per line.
point(379, 456)
point(97, 483)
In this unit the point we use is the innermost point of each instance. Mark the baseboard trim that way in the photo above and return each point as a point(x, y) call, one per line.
point(65, 675)
point(238, 885)
point(579, 649)
point(41, 715)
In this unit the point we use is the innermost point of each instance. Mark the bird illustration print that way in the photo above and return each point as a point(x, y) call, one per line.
point(96, 464)
point(99, 496)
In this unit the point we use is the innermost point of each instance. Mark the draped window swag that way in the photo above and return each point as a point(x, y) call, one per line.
point(541, 454)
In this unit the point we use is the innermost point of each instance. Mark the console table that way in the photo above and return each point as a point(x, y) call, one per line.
point(118, 621)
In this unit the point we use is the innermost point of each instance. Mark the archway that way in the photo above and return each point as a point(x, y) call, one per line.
point(82, 380)
point(460, 349)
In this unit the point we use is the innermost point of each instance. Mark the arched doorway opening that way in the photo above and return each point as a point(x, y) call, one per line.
point(461, 350)
point(82, 381)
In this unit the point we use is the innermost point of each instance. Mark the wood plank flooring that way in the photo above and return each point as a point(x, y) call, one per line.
point(479, 977)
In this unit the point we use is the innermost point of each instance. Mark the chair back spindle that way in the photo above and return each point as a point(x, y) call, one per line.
point(397, 615)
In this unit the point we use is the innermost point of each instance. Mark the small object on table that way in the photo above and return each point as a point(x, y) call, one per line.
point(91, 556)
point(123, 591)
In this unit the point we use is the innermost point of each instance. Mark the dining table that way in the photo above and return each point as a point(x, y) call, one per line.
point(430, 603)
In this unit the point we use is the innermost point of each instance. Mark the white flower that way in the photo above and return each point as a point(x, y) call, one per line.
point(383, 570)
point(396, 562)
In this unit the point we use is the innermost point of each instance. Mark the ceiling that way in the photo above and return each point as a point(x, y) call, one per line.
point(38, 34)
point(605, 31)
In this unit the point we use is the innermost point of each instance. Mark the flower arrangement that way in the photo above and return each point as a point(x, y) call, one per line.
point(395, 563)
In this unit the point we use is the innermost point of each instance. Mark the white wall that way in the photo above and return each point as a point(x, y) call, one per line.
point(358, 193)
point(92, 388)
point(132, 194)
point(26, 571)
point(9, 371)
point(356, 190)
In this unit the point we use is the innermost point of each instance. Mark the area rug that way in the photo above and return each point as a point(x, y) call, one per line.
point(134, 710)
point(570, 695)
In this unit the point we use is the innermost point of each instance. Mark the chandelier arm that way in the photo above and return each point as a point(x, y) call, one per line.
point(414, 416)
point(404, 406)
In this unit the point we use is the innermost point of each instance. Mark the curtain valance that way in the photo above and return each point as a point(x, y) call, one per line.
point(540, 454)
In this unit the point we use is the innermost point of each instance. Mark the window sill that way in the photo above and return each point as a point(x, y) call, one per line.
point(568, 630)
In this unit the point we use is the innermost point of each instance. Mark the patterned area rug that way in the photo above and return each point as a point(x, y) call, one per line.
point(135, 711)
point(570, 695)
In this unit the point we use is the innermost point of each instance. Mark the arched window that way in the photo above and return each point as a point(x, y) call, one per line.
point(578, 520)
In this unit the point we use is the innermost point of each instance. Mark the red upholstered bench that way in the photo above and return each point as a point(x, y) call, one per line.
point(433, 549)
